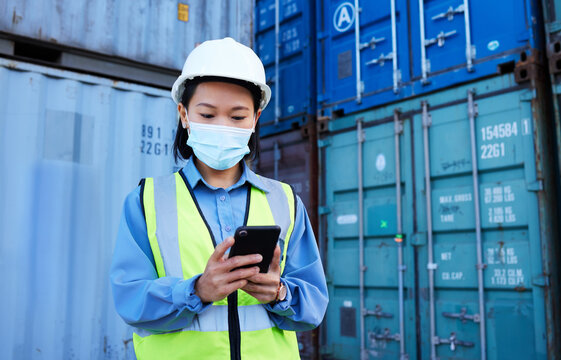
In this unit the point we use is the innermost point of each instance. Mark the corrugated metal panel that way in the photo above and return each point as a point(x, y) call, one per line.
point(292, 157)
point(433, 47)
point(72, 147)
point(154, 32)
point(294, 90)
point(517, 221)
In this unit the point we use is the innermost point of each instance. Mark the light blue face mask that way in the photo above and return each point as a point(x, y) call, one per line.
point(220, 147)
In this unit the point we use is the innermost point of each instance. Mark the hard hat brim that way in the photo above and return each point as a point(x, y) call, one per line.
point(179, 85)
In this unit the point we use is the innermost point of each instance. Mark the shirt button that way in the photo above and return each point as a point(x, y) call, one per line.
point(228, 228)
point(222, 198)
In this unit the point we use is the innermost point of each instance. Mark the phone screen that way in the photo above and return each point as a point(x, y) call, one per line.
point(256, 240)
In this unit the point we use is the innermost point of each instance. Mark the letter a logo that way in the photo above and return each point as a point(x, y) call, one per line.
point(344, 17)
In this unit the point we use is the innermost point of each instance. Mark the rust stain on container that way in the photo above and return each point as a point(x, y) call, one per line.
point(16, 18)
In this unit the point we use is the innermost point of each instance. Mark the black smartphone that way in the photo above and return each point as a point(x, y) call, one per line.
point(256, 240)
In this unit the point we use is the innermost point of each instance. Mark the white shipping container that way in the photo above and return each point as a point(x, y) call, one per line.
point(72, 147)
point(159, 33)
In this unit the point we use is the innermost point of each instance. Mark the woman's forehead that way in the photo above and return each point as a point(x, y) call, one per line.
point(221, 91)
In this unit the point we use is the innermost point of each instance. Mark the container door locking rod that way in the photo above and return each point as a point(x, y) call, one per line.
point(431, 266)
point(398, 130)
point(472, 113)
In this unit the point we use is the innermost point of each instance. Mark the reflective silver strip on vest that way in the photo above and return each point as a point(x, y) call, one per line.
point(278, 202)
point(165, 203)
point(215, 318)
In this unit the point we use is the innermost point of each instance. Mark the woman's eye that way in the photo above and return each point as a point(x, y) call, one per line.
point(238, 117)
point(207, 116)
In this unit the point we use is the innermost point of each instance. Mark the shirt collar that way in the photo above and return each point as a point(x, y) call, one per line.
point(194, 177)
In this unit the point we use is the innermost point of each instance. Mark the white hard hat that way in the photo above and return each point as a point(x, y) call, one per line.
point(223, 58)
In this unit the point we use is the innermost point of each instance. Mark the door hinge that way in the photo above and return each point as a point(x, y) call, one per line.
point(535, 186)
point(541, 280)
point(323, 210)
point(324, 142)
point(528, 95)
point(419, 239)
point(323, 124)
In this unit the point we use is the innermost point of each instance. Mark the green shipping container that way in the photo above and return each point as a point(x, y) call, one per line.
point(469, 273)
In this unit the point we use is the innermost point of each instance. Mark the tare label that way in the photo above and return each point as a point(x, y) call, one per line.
point(453, 208)
point(290, 40)
point(503, 204)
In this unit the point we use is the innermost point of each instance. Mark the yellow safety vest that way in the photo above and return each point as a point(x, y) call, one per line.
point(182, 242)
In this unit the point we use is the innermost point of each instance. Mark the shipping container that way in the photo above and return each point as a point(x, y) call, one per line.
point(440, 219)
point(285, 41)
point(394, 49)
point(160, 33)
point(72, 146)
point(291, 157)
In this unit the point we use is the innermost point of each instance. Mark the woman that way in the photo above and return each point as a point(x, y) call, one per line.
point(171, 275)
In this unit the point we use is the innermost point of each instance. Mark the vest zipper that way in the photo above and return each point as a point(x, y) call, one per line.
point(234, 333)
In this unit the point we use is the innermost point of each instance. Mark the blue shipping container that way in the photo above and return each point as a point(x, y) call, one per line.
point(293, 93)
point(456, 261)
point(403, 48)
point(72, 146)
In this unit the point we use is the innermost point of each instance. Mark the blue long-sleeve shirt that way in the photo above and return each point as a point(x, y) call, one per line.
point(169, 303)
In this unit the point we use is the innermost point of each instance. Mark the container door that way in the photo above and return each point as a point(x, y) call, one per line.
point(513, 312)
point(289, 103)
point(381, 42)
point(381, 336)
point(452, 35)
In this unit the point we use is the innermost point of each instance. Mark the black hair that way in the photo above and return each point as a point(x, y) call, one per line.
point(180, 148)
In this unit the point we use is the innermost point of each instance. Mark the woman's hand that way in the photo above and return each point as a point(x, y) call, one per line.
point(264, 287)
point(218, 281)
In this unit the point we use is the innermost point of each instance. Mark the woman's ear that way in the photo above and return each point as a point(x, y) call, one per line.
point(257, 117)
point(183, 115)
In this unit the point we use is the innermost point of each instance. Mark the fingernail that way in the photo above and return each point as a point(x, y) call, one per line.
point(258, 257)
